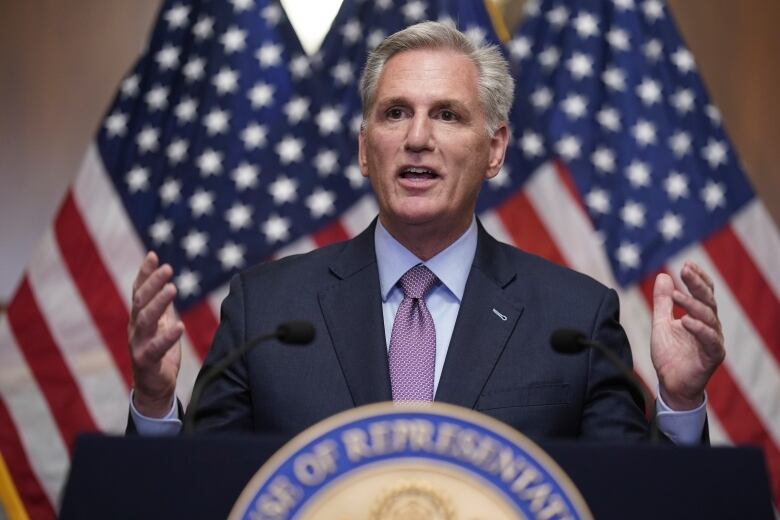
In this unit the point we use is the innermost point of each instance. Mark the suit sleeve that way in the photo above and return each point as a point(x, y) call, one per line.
point(612, 410)
point(226, 403)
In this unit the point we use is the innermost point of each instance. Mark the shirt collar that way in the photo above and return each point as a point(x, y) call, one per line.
point(451, 266)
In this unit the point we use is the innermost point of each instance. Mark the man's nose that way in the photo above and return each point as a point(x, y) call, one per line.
point(419, 136)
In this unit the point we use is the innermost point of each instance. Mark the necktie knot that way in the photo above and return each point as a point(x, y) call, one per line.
point(417, 281)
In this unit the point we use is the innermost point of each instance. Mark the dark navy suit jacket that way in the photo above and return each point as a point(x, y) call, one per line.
point(502, 367)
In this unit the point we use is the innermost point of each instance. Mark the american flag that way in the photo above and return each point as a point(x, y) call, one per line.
point(228, 145)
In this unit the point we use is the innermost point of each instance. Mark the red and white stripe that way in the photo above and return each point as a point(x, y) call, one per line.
point(37, 437)
point(94, 372)
point(64, 367)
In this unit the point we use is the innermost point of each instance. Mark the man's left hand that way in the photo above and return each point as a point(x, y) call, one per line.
point(686, 351)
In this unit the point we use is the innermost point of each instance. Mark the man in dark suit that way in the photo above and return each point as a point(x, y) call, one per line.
point(476, 333)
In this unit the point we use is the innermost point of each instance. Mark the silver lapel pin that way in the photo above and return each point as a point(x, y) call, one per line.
point(499, 314)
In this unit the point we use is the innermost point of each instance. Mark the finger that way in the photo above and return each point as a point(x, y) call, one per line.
point(147, 267)
point(699, 284)
point(662, 297)
point(710, 339)
point(154, 351)
point(696, 309)
point(696, 268)
point(152, 286)
point(148, 317)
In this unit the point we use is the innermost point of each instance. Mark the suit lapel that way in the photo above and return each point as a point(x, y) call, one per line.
point(485, 322)
point(353, 314)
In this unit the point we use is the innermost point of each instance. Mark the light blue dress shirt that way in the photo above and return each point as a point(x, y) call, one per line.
point(451, 266)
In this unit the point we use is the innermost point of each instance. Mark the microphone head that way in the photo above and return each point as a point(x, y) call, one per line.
point(295, 332)
point(568, 341)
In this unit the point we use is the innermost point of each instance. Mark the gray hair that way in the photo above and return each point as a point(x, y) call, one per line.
point(495, 83)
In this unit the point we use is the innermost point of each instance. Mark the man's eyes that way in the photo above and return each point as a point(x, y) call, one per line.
point(446, 115)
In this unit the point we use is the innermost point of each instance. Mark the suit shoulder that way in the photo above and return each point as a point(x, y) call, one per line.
point(301, 267)
point(554, 277)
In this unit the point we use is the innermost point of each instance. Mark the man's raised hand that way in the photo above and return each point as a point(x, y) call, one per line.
point(687, 351)
point(153, 335)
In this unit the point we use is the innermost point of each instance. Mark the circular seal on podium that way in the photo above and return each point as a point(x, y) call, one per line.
point(428, 461)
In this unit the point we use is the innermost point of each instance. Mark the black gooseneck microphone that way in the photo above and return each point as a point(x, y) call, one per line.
point(291, 333)
point(570, 341)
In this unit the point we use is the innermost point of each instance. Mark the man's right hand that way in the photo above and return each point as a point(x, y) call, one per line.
point(153, 333)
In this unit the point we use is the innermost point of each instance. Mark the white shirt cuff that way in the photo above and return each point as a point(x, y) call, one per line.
point(683, 428)
point(163, 427)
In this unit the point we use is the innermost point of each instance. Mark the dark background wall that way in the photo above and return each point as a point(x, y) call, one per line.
point(60, 62)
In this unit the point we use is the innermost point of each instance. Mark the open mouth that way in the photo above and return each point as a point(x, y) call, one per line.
point(416, 173)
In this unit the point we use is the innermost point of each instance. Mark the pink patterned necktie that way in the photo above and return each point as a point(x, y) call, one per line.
point(413, 340)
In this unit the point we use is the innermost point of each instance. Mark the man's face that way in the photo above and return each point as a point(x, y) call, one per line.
point(426, 148)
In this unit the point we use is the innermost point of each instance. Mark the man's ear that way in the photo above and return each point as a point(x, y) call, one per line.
point(498, 144)
point(362, 157)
